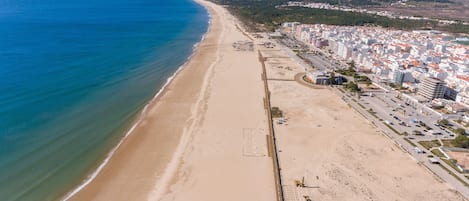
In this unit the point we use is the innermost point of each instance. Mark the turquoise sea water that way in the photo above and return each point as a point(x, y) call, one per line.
point(73, 76)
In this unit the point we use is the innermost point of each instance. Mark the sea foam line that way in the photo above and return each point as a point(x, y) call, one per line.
point(95, 173)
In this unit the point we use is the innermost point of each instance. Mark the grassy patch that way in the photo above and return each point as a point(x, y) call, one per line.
point(452, 163)
point(448, 143)
point(438, 153)
point(430, 144)
point(410, 142)
point(276, 112)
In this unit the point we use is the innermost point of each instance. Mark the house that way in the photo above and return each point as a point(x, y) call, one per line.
point(455, 108)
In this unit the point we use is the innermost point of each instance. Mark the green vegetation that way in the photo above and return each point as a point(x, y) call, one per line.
point(276, 112)
point(416, 132)
point(460, 131)
point(332, 79)
point(454, 175)
point(438, 153)
point(350, 71)
point(410, 142)
point(368, 82)
point(461, 141)
point(361, 78)
point(430, 144)
point(397, 87)
point(448, 143)
point(266, 15)
point(392, 128)
point(359, 104)
point(452, 163)
point(352, 87)
point(444, 122)
point(299, 183)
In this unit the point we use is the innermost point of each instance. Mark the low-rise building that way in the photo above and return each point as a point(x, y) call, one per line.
point(455, 108)
point(318, 77)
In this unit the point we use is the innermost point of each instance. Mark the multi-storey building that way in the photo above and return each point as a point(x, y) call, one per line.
point(432, 88)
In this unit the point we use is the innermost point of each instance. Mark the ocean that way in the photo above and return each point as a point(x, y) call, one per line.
point(74, 75)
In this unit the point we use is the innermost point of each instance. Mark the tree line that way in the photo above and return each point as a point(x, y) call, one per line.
point(266, 15)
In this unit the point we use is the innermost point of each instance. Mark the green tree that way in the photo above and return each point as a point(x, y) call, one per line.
point(460, 131)
point(461, 141)
point(443, 122)
point(332, 79)
point(352, 87)
point(359, 94)
point(368, 83)
point(351, 67)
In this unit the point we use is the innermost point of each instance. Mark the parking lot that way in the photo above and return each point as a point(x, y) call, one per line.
point(404, 118)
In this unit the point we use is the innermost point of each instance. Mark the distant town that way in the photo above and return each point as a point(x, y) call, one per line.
point(388, 14)
point(412, 61)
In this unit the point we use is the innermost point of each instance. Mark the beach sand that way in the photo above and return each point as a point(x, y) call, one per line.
point(204, 138)
point(338, 153)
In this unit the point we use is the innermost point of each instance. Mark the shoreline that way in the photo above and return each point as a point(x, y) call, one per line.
point(83, 184)
point(141, 114)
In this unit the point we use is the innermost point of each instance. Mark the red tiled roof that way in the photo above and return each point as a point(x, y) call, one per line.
point(463, 77)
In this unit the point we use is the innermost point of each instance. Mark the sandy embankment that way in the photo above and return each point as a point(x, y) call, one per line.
point(336, 151)
point(204, 138)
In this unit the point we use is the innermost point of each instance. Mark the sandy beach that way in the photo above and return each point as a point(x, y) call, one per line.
point(335, 150)
point(204, 138)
